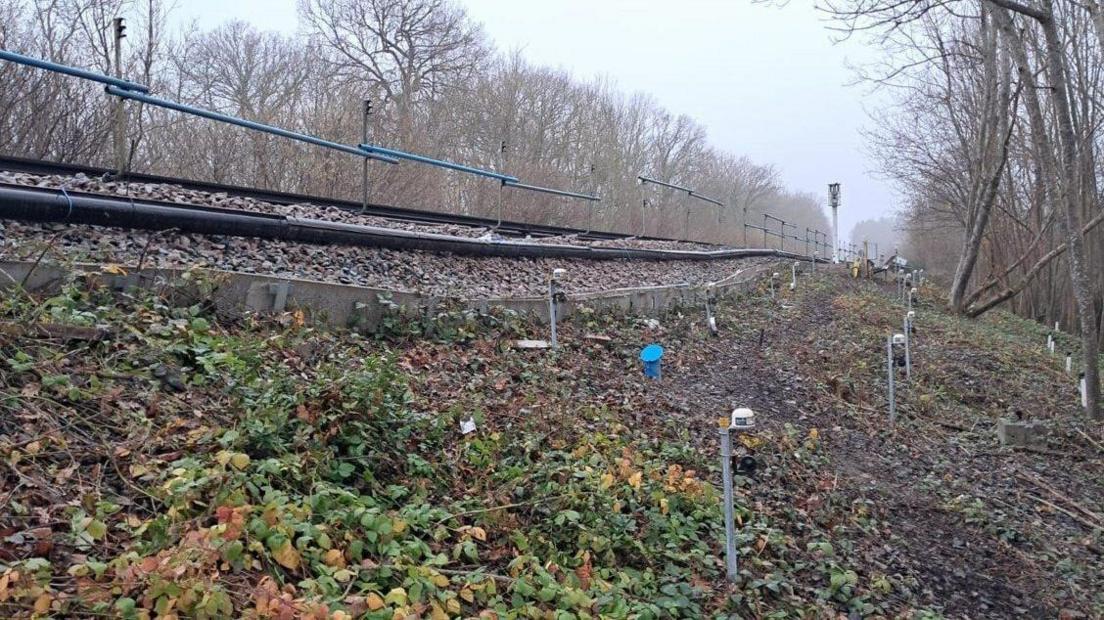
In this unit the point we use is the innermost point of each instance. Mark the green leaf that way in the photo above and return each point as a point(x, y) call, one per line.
point(96, 529)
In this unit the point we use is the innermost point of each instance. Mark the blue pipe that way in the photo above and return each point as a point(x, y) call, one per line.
point(707, 199)
point(240, 122)
point(548, 190)
point(645, 179)
point(67, 70)
point(370, 148)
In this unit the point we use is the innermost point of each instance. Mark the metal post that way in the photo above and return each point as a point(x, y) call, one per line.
point(643, 206)
point(501, 187)
point(908, 352)
point(729, 517)
point(782, 237)
point(590, 204)
point(119, 27)
point(745, 227)
point(764, 230)
point(686, 224)
point(552, 311)
point(889, 381)
point(364, 170)
point(834, 195)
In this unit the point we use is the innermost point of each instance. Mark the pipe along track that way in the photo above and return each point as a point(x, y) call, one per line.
point(513, 229)
point(53, 206)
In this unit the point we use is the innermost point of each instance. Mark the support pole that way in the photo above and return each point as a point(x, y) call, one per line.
point(729, 517)
point(501, 185)
point(889, 381)
point(686, 223)
point(364, 170)
point(119, 28)
point(834, 196)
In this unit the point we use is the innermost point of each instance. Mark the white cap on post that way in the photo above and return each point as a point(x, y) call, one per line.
point(742, 419)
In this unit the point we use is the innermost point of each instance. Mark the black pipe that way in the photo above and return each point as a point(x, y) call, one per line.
point(53, 206)
point(38, 167)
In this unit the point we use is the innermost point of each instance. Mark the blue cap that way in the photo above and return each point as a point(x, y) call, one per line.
point(651, 353)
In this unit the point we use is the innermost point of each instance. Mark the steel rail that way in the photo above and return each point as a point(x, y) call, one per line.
point(55, 206)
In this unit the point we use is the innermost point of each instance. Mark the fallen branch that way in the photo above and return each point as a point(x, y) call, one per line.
point(1082, 520)
point(1090, 440)
point(1046, 487)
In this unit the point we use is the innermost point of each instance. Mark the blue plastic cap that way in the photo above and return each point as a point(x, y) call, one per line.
point(651, 353)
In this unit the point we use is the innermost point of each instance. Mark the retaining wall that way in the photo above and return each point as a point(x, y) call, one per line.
point(236, 294)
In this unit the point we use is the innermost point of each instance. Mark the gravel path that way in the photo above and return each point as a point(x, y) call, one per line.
point(428, 273)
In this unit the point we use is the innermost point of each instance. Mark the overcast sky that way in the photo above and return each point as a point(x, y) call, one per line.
point(767, 82)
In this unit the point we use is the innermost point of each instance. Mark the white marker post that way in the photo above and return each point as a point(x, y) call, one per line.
point(710, 320)
point(555, 295)
point(793, 277)
point(742, 420)
point(774, 276)
point(1050, 343)
point(1069, 363)
point(1084, 393)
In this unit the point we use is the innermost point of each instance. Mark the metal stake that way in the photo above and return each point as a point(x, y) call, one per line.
point(729, 517)
point(908, 353)
point(552, 311)
point(889, 381)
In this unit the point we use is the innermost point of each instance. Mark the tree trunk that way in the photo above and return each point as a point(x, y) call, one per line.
point(1082, 286)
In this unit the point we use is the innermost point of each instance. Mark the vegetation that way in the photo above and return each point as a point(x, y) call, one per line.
point(161, 462)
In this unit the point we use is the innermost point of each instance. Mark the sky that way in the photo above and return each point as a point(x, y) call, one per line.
point(767, 81)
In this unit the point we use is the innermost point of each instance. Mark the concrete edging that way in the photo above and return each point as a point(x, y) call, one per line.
point(236, 294)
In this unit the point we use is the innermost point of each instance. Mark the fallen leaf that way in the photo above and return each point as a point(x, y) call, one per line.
point(287, 556)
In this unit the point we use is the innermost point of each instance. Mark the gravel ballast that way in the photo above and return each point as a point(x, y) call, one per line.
point(422, 272)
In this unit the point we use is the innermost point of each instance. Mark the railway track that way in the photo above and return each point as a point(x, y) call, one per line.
point(401, 214)
point(54, 206)
point(161, 226)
